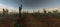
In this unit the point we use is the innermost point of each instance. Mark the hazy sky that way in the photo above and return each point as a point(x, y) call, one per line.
point(30, 4)
point(10, 3)
point(41, 3)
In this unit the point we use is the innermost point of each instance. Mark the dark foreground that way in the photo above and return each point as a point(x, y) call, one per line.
point(32, 20)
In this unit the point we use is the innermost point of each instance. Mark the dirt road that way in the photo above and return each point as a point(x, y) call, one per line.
point(31, 21)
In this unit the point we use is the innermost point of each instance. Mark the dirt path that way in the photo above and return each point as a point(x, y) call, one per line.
point(32, 22)
point(6, 23)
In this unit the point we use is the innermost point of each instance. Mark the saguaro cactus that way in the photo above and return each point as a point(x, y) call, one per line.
point(19, 19)
point(3, 11)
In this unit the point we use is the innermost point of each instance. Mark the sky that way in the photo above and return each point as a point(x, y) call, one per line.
point(10, 4)
point(49, 5)
point(31, 5)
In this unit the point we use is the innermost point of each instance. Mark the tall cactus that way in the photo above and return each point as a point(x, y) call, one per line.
point(19, 19)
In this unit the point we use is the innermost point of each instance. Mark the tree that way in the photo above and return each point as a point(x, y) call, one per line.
point(44, 10)
point(49, 12)
point(55, 11)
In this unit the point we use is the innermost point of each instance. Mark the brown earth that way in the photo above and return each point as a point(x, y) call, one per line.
point(32, 21)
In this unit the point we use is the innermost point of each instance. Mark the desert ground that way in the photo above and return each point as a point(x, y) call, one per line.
point(32, 20)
